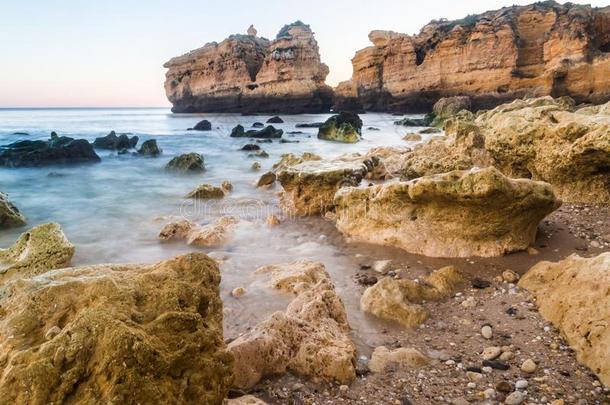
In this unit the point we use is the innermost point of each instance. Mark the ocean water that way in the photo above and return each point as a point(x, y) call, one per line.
point(112, 211)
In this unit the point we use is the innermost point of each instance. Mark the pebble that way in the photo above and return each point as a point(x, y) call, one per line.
point(505, 356)
point(521, 384)
point(256, 166)
point(504, 386)
point(471, 385)
point(472, 376)
point(487, 370)
point(469, 302)
point(510, 276)
point(272, 220)
point(382, 266)
point(515, 398)
point(595, 244)
point(489, 393)
point(238, 292)
point(491, 353)
point(497, 364)
point(487, 332)
point(528, 366)
point(343, 388)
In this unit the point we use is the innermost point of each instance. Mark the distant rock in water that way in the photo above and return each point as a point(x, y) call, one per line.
point(9, 214)
point(275, 120)
point(58, 150)
point(345, 127)
point(114, 142)
point(150, 148)
point(256, 75)
point(269, 132)
point(204, 125)
point(310, 125)
point(250, 147)
point(258, 125)
point(188, 162)
point(541, 49)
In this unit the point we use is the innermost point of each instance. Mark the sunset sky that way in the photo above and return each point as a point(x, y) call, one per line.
point(71, 53)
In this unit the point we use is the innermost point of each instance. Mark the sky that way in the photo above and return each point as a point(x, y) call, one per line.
point(75, 53)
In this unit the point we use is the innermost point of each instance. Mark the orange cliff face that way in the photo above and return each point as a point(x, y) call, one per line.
point(536, 50)
point(249, 74)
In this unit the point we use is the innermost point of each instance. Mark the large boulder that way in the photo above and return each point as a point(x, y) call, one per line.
point(116, 334)
point(9, 214)
point(402, 301)
point(458, 214)
point(114, 142)
point(310, 186)
point(36, 251)
point(269, 132)
point(212, 234)
point(311, 338)
point(186, 163)
point(344, 127)
point(56, 151)
point(203, 125)
point(574, 294)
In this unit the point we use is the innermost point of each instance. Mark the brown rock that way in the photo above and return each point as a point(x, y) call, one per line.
point(128, 334)
point(199, 235)
point(206, 191)
point(384, 360)
point(573, 295)
point(9, 214)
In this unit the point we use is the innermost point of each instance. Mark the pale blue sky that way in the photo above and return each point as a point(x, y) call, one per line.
point(110, 53)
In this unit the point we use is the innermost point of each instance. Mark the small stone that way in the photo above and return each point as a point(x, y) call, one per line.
point(521, 384)
point(343, 388)
point(489, 393)
point(515, 398)
point(506, 356)
point(487, 370)
point(532, 251)
point(480, 284)
point(558, 402)
point(491, 353)
point(529, 366)
point(471, 385)
point(51, 333)
point(486, 332)
point(472, 376)
point(496, 364)
point(504, 386)
point(238, 292)
point(382, 266)
point(256, 166)
point(594, 244)
point(226, 186)
point(469, 302)
point(510, 276)
point(272, 220)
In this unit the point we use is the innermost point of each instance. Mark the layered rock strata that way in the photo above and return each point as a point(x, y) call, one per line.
point(246, 73)
point(540, 49)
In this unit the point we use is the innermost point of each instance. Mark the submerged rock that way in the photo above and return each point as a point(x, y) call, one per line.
point(573, 295)
point(186, 163)
point(412, 137)
point(120, 334)
point(309, 125)
point(114, 142)
point(345, 127)
point(55, 151)
point(206, 191)
point(311, 338)
point(275, 120)
point(9, 214)
point(204, 125)
point(199, 235)
point(416, 122)
point(150, 148)
point(266, 179)
point(402, 300)
point(42, 248)
point(269, 132)
point(457, 214)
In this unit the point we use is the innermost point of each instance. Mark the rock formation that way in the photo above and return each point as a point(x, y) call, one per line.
point(311, 338)
point(574, 294)
point(542, 139)
point(344, 127)
point(213, 234)
point(9, 214)
point(149, 148)
point(245, 73)
point(116, 334)
point(114, 142)
point(541, 49)
point(186, 163)
point(458, 214)
point(58, 150)
point(206, 191)
point(36, 251)
point(402, 300)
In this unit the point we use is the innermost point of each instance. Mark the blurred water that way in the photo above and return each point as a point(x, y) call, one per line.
point(112, 210)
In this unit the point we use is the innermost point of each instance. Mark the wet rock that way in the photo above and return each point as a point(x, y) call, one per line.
point(416, 122)
point(384, 359)
point(250, 147)
point(573, 295)
point(213, 234)
point(238, 292)
point(259, 154)
point(344, 127)
point(206, 191)
point(186, 163)
point(266, 179)
point(412, 137)
point(269, 132)
point(402, 300)
point(204, 125)
point(311, 338)
point(9, 214)
point(42, 248)
point(258, 125)
point(365, 279)
point(440, 216)
point(272, 220)
point(256, 166)
point(226, 186)
point(114, 142)
point(275, 120)
point(309, 125)
point(290, 159)
point(383, 266)
point(430, 131)
point(449, 106)
point(129, 334)
point(56, 151)
point(510, 276)
point(149, 148)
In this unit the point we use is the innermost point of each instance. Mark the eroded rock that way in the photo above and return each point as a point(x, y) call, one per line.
point(9, 214)
point(213, 234)
point(114, 142)
point(385, 360)
point(149, 148)
point(206, 191)
point(186, 163)
point(59, 150)
point(344, 127)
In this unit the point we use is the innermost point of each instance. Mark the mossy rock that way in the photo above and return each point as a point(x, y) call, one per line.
point(9, 214)
point(206, 191)
point(344, 127)
point(186, 163)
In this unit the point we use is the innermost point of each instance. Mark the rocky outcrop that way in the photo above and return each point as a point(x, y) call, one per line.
point(116, 334)
point(114, 142)
point(543, 139)
point(269, 132)
point(311, 338)
point(186, 163)
point(36, 251)
point(402, 301)
point(59, 150)
point(213, 234)
point(458, 214)
point(149, 148)
point(9, 214)
point(206, 191)
point(541, 49)
point(344, 127)
point(574, 294)
point(245, 73)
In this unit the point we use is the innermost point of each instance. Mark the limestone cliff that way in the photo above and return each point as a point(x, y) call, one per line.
point(246, 73)
point(540, 49)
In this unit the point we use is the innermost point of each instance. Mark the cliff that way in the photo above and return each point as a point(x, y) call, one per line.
point(246, 73)
point(535, 50)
